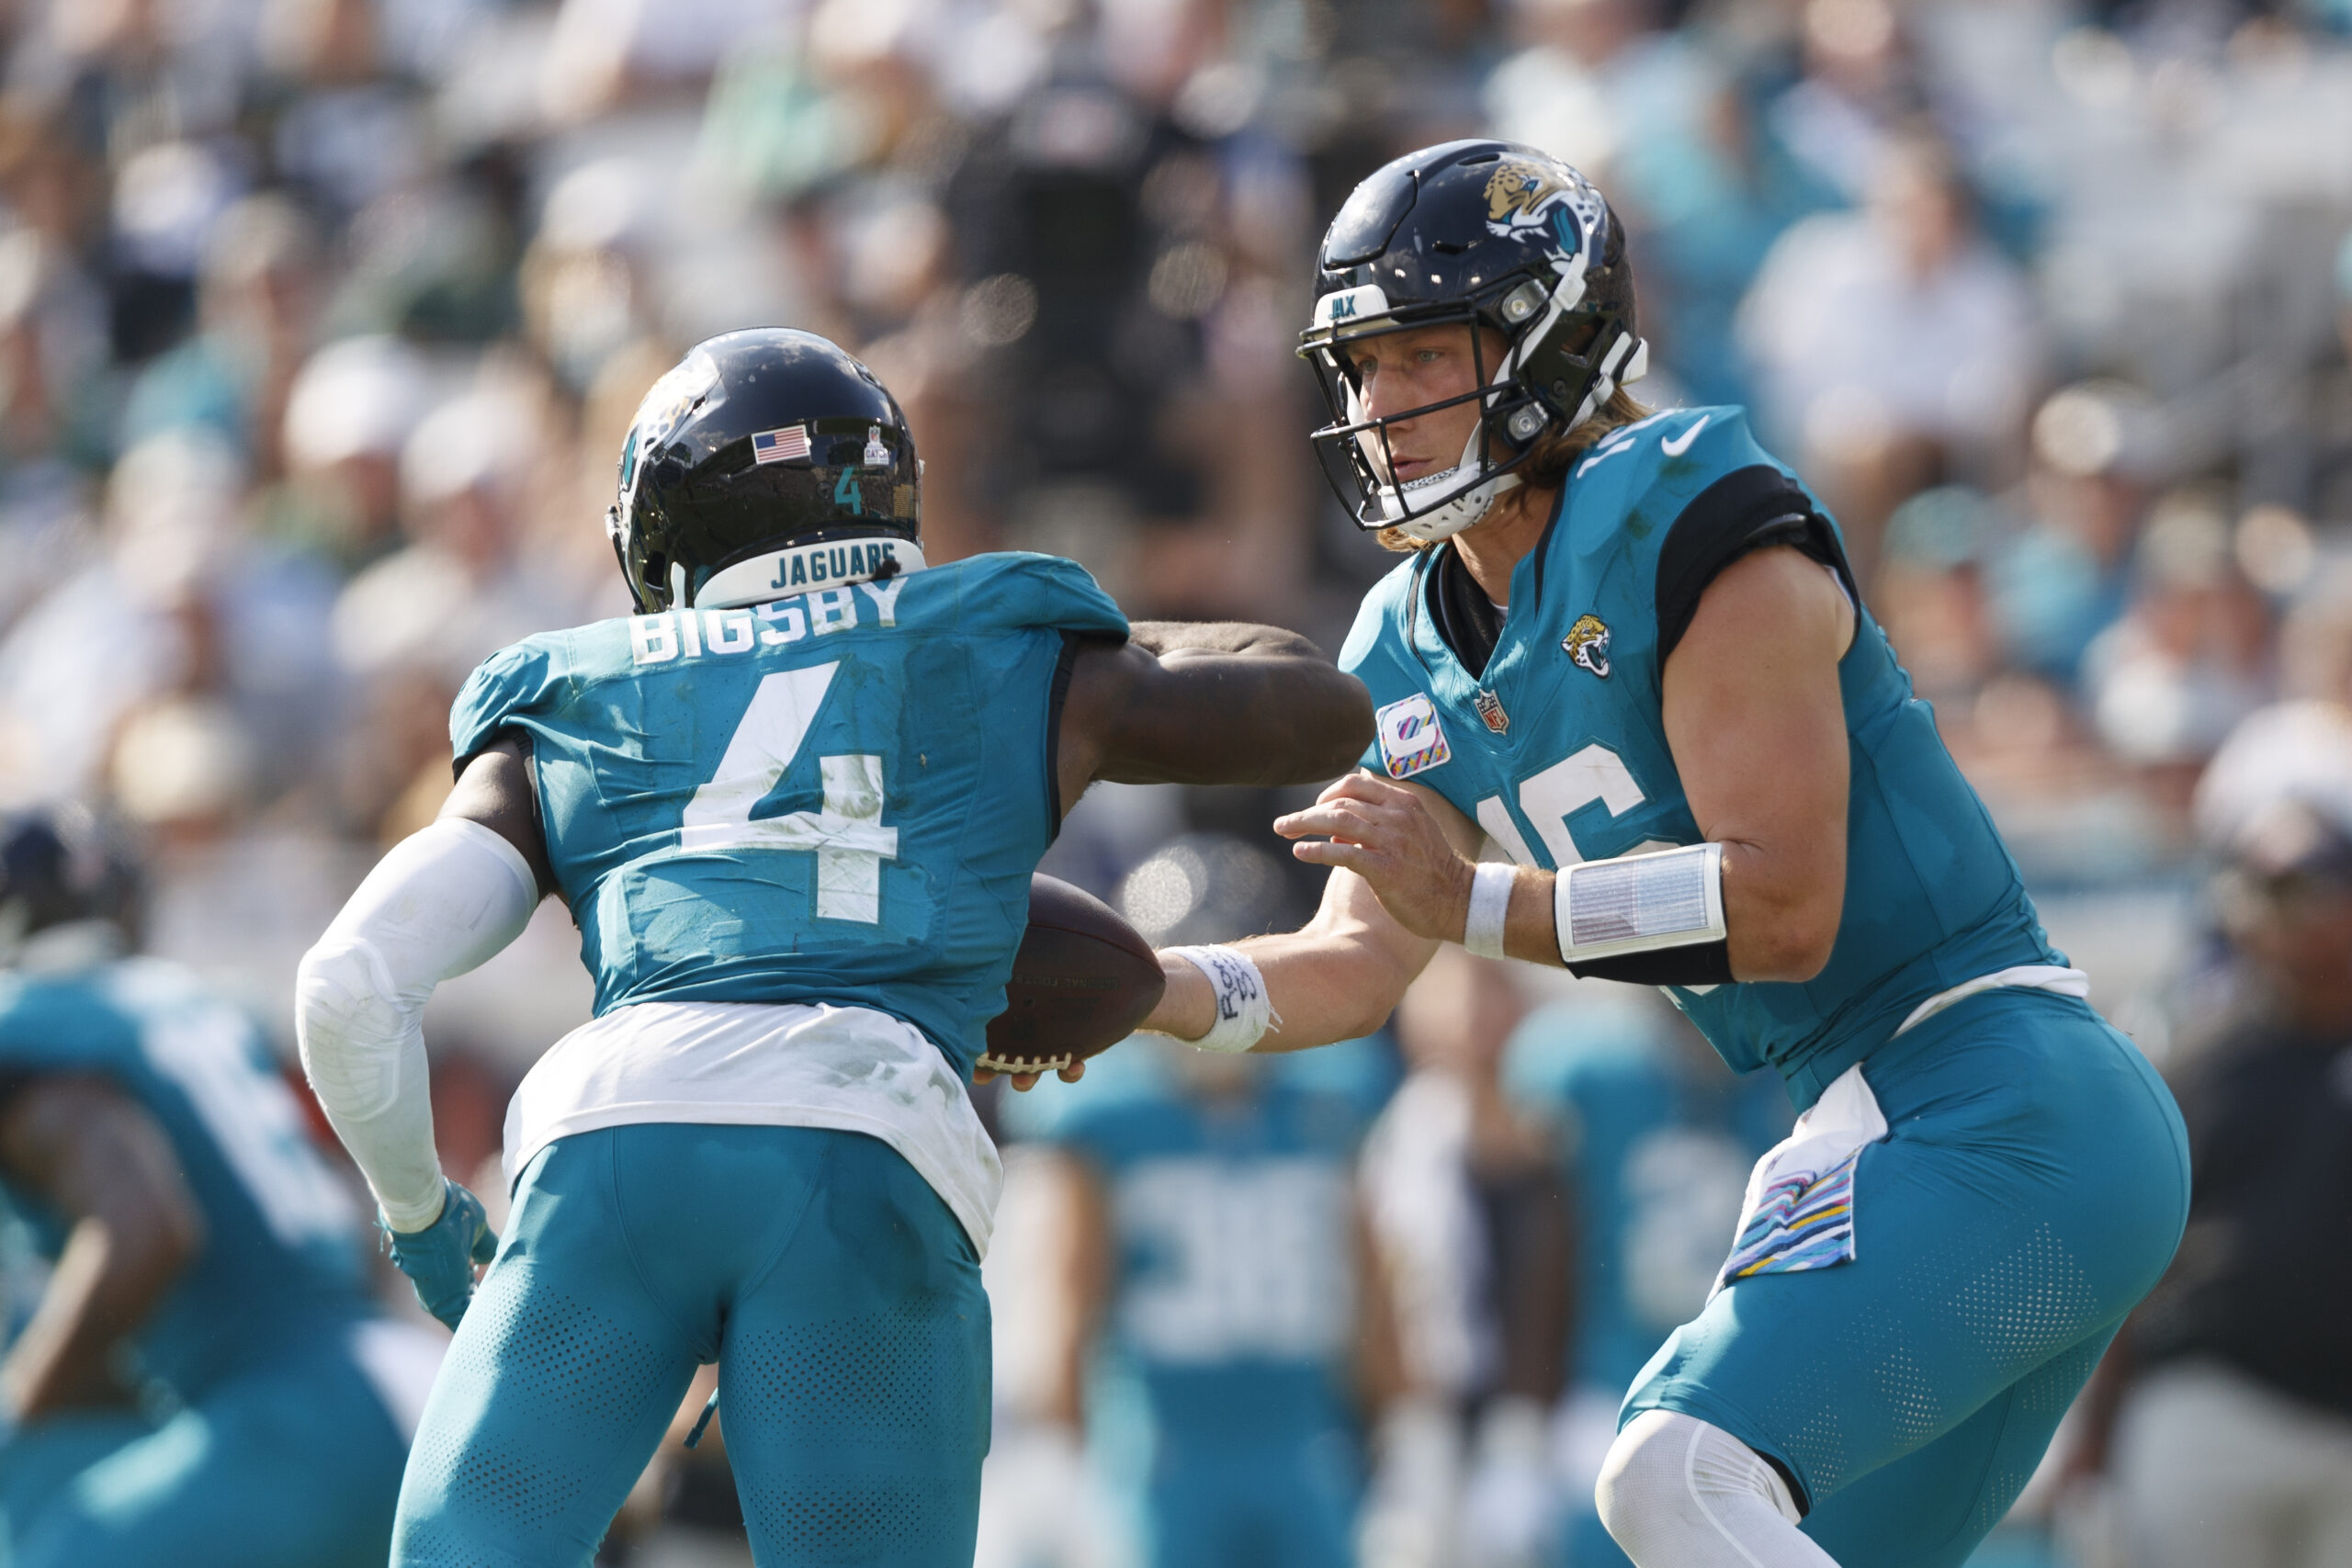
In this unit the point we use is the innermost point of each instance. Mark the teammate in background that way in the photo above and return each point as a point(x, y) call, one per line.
point(1656, 1140)
point(1473, 1234)
point(793, 805)
point(1218, 1276)
point(205, 1380)
point(1627, 648)
point(2228, 1396)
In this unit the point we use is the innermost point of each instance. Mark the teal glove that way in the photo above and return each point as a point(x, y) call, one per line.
point(439, 1259)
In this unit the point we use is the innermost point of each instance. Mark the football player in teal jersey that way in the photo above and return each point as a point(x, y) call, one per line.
point(1222, 1289)
point(1627, 647)
point(205, 1380)
point(793, 805)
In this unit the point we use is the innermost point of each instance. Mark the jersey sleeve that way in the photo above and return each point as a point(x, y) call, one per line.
point(1728, 497)
point(1017, 590)
point(511, 682)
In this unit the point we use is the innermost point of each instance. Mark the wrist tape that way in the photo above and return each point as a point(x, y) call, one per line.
point(1482, 933)
point(1244, 1011)
point(1655, 918)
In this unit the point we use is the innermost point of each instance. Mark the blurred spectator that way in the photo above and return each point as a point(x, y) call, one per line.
point(1840, 120)
point(2233, 1438)
point(180, 600)
point(457, 593)
point(1651, 115)
point(53, 391)
point(349, 416)
point(2298, 749)
point(2330, 411)
point(2062, 580)
point(2165, 683)
point(1474, 1235)
point(1892, 345)
point(1931, 596)
point(259, 299)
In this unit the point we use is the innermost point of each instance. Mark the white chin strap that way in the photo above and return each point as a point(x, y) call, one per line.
point(1465, 506)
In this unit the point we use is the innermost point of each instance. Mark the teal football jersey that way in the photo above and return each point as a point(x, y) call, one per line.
point(280, 1255)
point(1233, 1306)
point(1558, 748)
point(834, 797)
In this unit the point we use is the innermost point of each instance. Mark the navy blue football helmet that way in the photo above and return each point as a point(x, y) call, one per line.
point(1490, 234)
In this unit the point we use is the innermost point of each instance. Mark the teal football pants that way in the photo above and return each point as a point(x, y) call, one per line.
point(838, 1294)
point(291, 1463)
point(1251, 1503)
point(2031, 1189)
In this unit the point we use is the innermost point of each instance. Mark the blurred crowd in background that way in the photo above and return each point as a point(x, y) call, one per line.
point(322, 320)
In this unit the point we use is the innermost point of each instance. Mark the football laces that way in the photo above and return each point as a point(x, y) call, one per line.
point(995, 1064)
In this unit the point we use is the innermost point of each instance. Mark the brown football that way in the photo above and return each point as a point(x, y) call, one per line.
point(1081, 982)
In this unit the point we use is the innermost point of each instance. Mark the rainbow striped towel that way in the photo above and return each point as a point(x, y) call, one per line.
point(1800, 1209)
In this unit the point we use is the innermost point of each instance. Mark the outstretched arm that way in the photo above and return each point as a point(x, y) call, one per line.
point(1339, 977)
point(1755, 722)
point(99, 1160)
point(1225, 704)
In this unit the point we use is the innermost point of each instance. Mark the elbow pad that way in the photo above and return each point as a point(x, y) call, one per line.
point(441, 903)
point(1655, 919)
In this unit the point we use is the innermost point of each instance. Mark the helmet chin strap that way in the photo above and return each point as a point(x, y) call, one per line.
point(1471, 502)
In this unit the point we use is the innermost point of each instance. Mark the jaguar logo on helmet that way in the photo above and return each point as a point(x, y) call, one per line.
point(688, 385)
point(1587, 644)
point(1521, 196)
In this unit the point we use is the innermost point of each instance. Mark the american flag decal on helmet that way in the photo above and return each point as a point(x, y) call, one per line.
point(788, 444)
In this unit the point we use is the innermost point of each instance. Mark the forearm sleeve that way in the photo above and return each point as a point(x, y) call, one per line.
point(442, 902)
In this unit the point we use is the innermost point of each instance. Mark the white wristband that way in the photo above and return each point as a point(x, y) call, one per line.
point(1490, 884)
point(1244, 1011)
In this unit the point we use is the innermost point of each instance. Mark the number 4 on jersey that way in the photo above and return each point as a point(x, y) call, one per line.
point(846, 833)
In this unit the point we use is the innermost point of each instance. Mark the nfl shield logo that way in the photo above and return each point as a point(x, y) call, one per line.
point(1490, 708)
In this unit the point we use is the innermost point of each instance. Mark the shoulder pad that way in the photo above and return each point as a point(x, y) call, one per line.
point(1686, 448)
point(1624, 495)
point(1382, 607)
point(1014, 588)
point(501, 686)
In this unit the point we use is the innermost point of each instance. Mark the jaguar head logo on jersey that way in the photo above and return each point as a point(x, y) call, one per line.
point(1411, 741)
point(1519, 196)
point(1587, 644)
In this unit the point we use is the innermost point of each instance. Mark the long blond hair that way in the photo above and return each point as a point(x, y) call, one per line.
point(1547, 468)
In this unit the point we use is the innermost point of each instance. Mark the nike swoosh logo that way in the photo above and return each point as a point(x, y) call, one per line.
point(1681, 443)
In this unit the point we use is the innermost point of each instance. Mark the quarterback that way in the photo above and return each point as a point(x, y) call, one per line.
point(1627, 647)
point(793, 805)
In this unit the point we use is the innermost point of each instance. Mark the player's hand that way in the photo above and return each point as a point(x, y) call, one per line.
point(1023, 1082)
point(1384, 834)
point(440, 1260)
